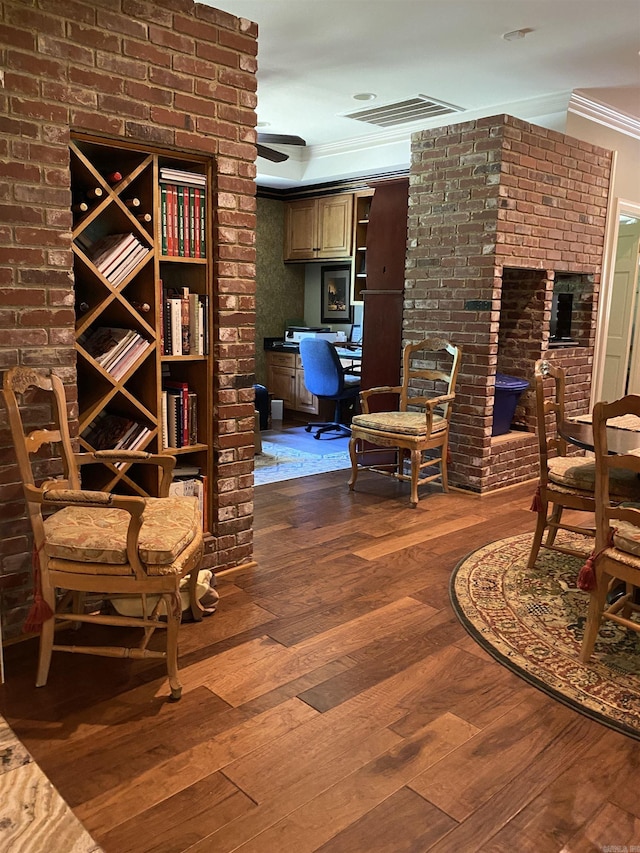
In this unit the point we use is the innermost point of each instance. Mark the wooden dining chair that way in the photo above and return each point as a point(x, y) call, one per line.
point(565, 481)
point(419, 425)
point(616, 555)
point(94, 542)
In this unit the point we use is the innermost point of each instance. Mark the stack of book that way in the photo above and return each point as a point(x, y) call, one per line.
point(188, 481)
point(184, 325)
point(114, 432)
point(114, 349)
point(183, 213)
point(179, 415)
point(115, 256)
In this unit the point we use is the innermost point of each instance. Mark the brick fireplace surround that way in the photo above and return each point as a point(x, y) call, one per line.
point(499, 212)
point(164, 73)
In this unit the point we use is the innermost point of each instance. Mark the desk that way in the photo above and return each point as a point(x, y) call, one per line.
point(581, 434)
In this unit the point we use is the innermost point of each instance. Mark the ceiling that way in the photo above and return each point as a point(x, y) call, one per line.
point(315, 55)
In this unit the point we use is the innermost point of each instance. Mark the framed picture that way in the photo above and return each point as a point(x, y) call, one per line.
point(335, 288)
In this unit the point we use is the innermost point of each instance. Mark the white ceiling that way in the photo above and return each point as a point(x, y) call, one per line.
point(314, 55)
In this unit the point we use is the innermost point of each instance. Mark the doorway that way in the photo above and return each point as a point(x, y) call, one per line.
point(617, 369)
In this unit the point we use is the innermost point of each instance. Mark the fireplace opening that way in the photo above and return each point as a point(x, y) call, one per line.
point(571, 306)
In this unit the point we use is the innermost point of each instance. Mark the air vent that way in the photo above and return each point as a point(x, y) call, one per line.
point(419, 108)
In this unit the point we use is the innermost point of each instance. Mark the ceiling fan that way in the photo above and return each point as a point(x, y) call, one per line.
point(267, 139)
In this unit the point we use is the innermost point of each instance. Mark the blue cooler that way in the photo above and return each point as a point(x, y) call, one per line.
point(508, 390)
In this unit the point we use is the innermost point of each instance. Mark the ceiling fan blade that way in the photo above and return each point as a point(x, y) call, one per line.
point(280, 139)
point(270, 154)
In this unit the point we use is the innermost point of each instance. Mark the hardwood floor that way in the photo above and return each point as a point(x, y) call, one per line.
point(333, 703)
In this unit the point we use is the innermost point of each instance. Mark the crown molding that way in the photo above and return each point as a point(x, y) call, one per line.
point(602, 114)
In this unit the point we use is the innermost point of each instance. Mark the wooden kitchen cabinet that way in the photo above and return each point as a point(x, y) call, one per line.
point(285, 381)
point(318, 228)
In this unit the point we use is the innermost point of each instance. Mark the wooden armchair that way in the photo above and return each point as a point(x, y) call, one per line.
point(419, 424)
point(96, 542)
point(616, 555)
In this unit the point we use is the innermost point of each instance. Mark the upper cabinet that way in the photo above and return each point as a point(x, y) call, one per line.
point(318, 228)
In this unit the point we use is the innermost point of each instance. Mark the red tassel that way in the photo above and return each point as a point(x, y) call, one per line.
point(448, 456)
point(536, 503)
point(587, 575)
point(40, 610)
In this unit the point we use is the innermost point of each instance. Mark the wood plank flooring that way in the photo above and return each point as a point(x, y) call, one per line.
point(333, 703)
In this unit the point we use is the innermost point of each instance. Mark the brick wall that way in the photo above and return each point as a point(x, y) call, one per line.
point(167, 73)
point(497, 209)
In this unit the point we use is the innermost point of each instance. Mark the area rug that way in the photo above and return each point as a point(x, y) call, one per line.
point(278, 462)
point(533, 622)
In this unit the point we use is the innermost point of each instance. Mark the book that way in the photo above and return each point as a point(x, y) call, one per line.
point(103, 342)
point(174, 419)
point(192, 418)
point(128, 359)
point(182, 389)
point(194, 324)
point(107, 431)
point(128, 264)
point(127, 343)
point(117, 247)
point(185, 322)
point(175, 313)
point(182, 176)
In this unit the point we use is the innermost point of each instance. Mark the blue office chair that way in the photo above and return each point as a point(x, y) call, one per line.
point(325, 377)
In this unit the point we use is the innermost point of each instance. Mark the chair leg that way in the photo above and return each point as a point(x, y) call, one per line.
point(444, 473)
point(173, 603)
point(354, 463)
point(555, 518)
point(416, 458)
point(594, 616)
point(541, 525)
point(46, 637)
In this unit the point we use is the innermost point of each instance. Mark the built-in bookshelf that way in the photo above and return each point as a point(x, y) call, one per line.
point(362, 206)
point(143, 283)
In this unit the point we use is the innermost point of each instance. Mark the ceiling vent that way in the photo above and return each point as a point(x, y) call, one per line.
point(419, 108)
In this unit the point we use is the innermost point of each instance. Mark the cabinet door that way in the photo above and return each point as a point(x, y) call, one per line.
point(301, 230)
point(282, 384)
point(335, 217)
point(305, 400)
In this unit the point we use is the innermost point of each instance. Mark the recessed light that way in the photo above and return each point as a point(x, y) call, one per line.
point(365, 96)
point(514, 35)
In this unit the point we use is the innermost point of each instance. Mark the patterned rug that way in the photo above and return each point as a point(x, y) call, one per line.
point(532, 622)
point(277, 463)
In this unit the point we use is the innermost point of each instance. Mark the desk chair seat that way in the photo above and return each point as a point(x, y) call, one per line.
point(327, 379)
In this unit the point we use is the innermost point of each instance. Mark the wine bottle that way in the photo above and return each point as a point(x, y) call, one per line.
point(142, 307)
point(113, 178)
point(80, 207)
point(144, 217)
point(83, 307)
point(132, 202)
point(94, 192)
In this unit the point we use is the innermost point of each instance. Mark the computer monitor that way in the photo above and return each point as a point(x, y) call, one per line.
point(355, 335)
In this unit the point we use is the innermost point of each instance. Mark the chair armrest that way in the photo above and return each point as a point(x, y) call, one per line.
point(379, 389)
point(53, 493)
point(139, 457)
point(433, 402)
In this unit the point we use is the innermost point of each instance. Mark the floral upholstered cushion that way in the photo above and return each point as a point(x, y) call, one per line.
point(403, 423)
point(96, 535)
point(626, 537)
point(581, 474)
